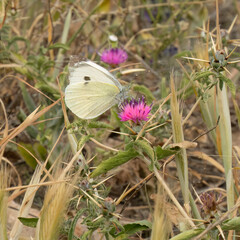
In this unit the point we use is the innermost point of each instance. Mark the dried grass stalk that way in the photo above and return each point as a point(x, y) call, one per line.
point(181, 157)
point(26, 204)
point(161, 224)
point(53, 210)
point(3, 203)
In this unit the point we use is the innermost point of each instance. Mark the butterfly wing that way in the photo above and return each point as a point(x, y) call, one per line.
point(90, 99)
point(88, 71)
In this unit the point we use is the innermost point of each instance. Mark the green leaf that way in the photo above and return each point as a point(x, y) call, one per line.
point(132, 228)
point(145, 147)
point(162, 153)
point(231, 224)
point(204, 74)
point(220, 84)
point(119, 159)
point(40, 150)
point(145, 91)
point(59, 45)
point(117, 229)
point(129, 146)
point(189, 234)
point(36, 149)
point(27, 157)
point(27, 98)
point(74, 222)
point(16, 39)
point(29, 222)
point(229, 83)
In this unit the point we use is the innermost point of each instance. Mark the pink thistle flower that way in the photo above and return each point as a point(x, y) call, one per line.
point(114, 56)
point(135, 110)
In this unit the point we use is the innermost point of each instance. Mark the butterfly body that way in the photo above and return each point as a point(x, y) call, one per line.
point(92, 90)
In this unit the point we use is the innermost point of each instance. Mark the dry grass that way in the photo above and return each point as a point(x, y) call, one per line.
point(54, 208)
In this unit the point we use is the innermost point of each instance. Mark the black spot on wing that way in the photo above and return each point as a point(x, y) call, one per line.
point(87, 78)
point(86, 83)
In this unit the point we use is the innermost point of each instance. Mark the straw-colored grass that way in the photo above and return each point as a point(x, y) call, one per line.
point(54, 207)
point(161, 224)
point(3, 203)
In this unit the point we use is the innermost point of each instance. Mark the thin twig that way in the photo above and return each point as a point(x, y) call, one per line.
point(211, 129)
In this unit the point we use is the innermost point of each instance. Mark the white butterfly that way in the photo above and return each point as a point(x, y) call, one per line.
point(92, 90)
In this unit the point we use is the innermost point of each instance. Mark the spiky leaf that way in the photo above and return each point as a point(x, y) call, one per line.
point(74, 222)
point(228, 82)
point(134, 227)
point(204, 74)
point(131, 228)
point(115, 161)
point(144, 147)
point(162, 153)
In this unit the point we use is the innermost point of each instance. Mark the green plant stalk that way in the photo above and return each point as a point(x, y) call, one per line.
point(195, 211)
point(181, 157)
point(231, 224)
point(60, 55)
point(214, 107)
point(210, 110)
point(187, 234)
point(226, 142)
point(207, 110)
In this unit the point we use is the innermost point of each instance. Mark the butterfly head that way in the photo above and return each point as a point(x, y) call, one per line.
point(123, 94)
